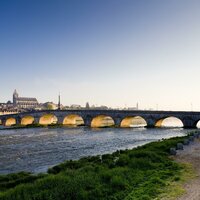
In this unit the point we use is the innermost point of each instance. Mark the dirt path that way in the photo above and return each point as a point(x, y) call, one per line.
point(191, 154)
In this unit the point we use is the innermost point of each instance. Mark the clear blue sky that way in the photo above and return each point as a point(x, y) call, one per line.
point(107, 52)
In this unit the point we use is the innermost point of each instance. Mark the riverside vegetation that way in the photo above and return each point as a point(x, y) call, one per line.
point(143, 173)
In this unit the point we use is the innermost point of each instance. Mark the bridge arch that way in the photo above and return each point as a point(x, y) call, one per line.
point(10, 121)
point(133, 121)
point(170, 121)
point(48, 119)
point(27, 120)
point(73, 120)
point(102, 121)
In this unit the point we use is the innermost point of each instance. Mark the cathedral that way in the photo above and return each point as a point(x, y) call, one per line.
point(24, 102)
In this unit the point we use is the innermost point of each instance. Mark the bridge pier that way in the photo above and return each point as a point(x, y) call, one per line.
point(150, 122)
point(3, 122)
point(60, 120)
point(18, 121)
point(87, 121)
point(117, 121)
point(189, 123)
point(36, 120)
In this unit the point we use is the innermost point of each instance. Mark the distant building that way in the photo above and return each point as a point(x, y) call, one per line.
point(87, 106)
point(24, 102)
point(75, 106)
point(102, 107)
point(7, 108)
point(134, 108)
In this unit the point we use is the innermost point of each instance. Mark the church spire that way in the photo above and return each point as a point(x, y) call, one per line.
point(15, 93)
point(59, 102)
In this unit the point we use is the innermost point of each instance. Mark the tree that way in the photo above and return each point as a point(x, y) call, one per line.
point(49, 106)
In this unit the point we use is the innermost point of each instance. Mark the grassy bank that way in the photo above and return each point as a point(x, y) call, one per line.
point(143, 173)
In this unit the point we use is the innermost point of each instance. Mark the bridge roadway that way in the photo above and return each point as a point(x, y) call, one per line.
point(152, 118)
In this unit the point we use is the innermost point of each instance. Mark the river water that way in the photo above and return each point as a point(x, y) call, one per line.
point(37, 149)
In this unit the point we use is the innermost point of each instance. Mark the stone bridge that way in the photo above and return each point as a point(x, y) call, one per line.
point(93, 118)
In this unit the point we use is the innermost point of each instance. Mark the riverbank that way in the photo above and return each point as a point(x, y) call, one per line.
point(141, 173)
point(191, 155)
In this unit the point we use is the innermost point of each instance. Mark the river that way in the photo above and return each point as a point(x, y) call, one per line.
point(37, 149)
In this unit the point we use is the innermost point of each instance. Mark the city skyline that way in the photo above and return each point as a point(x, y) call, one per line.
point(113, 53)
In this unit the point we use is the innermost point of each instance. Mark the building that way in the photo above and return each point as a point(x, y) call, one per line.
point(24, 102)
point(7, 108)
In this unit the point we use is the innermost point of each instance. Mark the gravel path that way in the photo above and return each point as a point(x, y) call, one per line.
point(191, 154)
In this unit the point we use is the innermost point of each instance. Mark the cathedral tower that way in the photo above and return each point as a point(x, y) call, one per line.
point(15, 96)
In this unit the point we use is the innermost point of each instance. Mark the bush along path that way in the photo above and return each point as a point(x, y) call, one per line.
point(146, 172)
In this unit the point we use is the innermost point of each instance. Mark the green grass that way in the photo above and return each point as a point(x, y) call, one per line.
point(143, 173)
point(175, 184)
